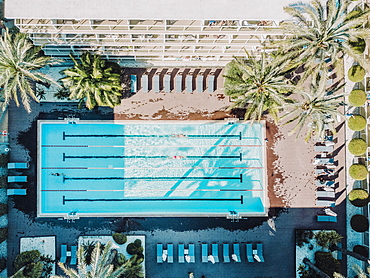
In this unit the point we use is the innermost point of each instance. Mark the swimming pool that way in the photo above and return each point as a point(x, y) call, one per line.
point(151, 168)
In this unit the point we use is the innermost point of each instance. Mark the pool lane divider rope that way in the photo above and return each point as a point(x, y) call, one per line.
point(240, 156)
point(154, 199)
point(238, 136)
point(240, 178)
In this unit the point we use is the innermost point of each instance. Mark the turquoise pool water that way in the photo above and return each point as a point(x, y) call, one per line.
point(151, 168)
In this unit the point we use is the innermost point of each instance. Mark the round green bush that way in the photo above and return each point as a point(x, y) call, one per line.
point(359, 223)
point(119, 238)
point(137, 242)
point(358, 197)
point(357, 146)
point(358, 46)
point(356, 73)
point(132, 249)
point(356, 122)
point(358, 172)
point(357, 98)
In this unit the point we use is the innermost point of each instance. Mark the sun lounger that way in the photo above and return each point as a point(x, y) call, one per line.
point(144, 83)
point(167, 81)
point(260, 252)
point(159, 253)
point(215, 252)
point(178, 83)
point(204, 252)
point(226, 253)
point(63, 253)
point(324, 148)
point(325, 194)
point(156, 83)
point(18, 191)
point(181, 254)
point(189, 83)
point(326, 218)
point(73, 255)
point(133, 83)
point(192, 253)
point(18, 165)
point(249, 252)
point(323, 161)
point(325, 183)
point(339, 254)
point(325, 203)
point(200, 83)
point(211, 83)
point(324, 172)
point(17, 178)
point(170, 253)
point(236, 252)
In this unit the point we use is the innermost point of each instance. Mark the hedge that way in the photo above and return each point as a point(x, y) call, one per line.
point(26, 258)
point(356, 73)
point(357, 98)
point(357, 146)
point(356, 123)
point(358, 172)
point(358, 197)
point(359, 223)
point(119, 238)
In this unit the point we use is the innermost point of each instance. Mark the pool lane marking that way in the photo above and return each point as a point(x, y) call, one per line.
point(154, 199)
point(240, 178)
point(240, 156)
point(238, 136)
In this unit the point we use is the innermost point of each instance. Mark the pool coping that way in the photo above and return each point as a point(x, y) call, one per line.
point(265, 199)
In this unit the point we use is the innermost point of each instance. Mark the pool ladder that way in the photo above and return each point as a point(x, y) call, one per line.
point(72, 216)
point(234, 216)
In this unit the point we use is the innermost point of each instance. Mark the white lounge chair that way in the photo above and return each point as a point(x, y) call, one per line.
point(178, 83)
point(167, 83)
point(17, 178)
point(325, 203)
point(323, 161)
point(324, 148)
point(211, 83)
point(156, 83)
point(325, 183)
point(189, 83)
point(18, 165)
point(328, 172)
point(325, 194)
point(200, 83)
point(144, 83)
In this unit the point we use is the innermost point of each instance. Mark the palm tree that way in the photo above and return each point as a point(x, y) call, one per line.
point(20, 61)
point(359, 271)
point(93, 82)
point(350, 253)
point(258, 84)
point(323, 33)
point(317, 109)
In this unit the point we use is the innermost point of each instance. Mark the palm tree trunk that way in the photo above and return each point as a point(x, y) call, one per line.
point(350, 253)
point(111, 257)
point(314, 267)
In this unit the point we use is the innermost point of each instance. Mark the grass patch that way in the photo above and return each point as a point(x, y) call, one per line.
point(356, 122)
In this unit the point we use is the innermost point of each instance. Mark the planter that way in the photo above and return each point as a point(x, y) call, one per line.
point(359, 223)
point(356, 123)
point(357, 146)
point(358, 172)
point(356, 73)
point(358, 197)
point(357, 98)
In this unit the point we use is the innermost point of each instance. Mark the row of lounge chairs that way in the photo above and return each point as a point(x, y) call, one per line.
point(16, 179)
point(188, 255)
point(178, 81)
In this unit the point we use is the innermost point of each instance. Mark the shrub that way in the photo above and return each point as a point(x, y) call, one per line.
point(303, 236)
point(357, 98)
point(26, 258)
point(3, 209)
point(358, 46)
point(119, 238)
point(362, 250)
point(356, 122)
point(359, 223)
point(357, 146)
point(358, 197)
point(356, 73)
point(327, 238)
point(358, 172)
point(131, 248)
point(326, 263)
point(137, 242)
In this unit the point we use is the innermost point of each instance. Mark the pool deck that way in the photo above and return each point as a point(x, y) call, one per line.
point(291, 191)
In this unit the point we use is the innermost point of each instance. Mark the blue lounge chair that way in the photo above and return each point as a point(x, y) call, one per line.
point(215, 252)
point(189, 83)
point(167, 83)
point(249, 251)
point(226, 253)
point(178, 83)
point(170, 253)
point(73, 255)
point(192, 252)
point(204, 253)
point(181, 254)
point(260, 252)
point(200, 83)
point(18, 191)
point(339, 254)
point(63, 254)
point(159, 253)
point(17, 178)
point(18, 165)
point(325, 183)
point(144, 83)
point(133, 83)
point(236, 249)
point(156, 83)
point(326, 218)
point(211, 83)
